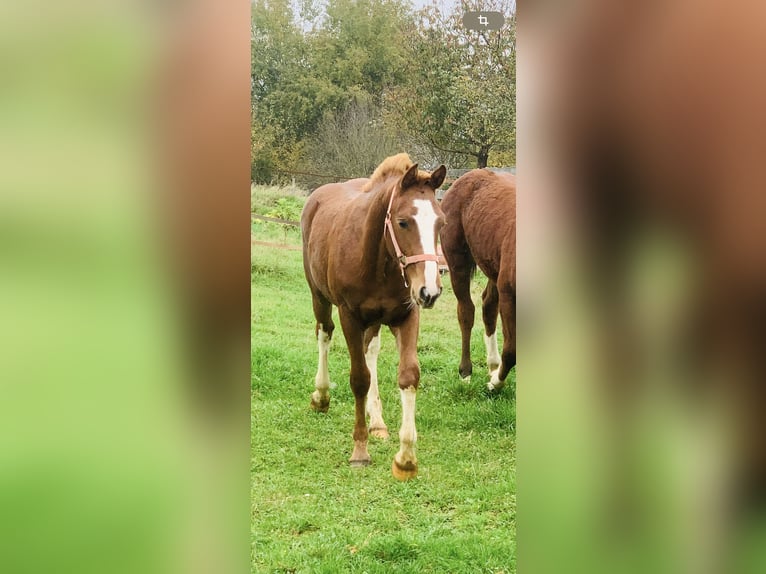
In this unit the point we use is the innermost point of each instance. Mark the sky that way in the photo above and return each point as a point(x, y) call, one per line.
point(446, 3)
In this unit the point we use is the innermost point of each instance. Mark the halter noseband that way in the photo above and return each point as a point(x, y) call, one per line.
point(401, 258)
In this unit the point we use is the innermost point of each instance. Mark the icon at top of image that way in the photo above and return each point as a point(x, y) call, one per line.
point(480, 21)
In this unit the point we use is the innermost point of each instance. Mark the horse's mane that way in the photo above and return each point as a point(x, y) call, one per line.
point(393, 165)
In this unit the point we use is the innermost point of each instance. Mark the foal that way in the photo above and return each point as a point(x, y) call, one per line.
point(369, 247)
point(480, 208)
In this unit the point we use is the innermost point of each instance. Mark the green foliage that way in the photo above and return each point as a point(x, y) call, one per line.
point(287, 100)
point(278, 202)
point(304, 78)
point(264, 198)
point(288, 208)
point(502, 158)
point(360, 48)
point(263, 153)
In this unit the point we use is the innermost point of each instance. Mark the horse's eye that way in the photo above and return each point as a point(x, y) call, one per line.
point(403, 223)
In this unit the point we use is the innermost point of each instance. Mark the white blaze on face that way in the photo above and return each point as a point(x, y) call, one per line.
point(425, 217)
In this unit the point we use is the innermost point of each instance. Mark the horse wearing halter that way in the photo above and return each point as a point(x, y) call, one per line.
point(401, 258)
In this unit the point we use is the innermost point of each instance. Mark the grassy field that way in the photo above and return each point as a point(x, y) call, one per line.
point(311, 512)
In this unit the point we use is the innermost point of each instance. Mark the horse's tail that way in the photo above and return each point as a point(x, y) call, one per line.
point(472, 268)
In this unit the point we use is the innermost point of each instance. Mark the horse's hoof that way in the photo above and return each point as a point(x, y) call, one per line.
point(359, 456)
point(495, 384)
point(379, 432)
point(465, 379)
point(410, 472)
point(494, 389)
point(320, 406)
point(465, 373)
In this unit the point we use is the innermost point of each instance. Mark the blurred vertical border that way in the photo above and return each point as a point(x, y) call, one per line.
point(124, 299)
point(642, 287)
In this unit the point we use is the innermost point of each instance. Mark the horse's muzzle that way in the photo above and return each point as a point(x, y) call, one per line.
point(425, 299)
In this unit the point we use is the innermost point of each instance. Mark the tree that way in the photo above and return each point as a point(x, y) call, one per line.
point(360, 47)
point(307, 70)
point(277, 63)
point(350, 143)
point(460, 95)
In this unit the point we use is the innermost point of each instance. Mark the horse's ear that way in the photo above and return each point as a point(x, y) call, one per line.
point(437, 177)
point(411, 177)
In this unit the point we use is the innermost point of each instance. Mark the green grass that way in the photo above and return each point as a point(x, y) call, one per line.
point(263, 198)
point(311, 512)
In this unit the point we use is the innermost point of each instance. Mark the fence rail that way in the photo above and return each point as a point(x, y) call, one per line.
point(285, 246)
point(274, 220)
point(442, 261)
point(452, 174)
point(320, 175)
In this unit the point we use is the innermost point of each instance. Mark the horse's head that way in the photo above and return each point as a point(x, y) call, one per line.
point(413, 226)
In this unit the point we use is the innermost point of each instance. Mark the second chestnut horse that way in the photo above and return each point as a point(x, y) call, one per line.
point(480, 230)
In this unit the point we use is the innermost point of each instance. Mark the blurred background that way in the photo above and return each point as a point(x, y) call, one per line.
point(641, 258)
point(123, 174)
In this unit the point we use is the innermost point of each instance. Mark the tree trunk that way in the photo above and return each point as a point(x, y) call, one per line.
point(482, 157)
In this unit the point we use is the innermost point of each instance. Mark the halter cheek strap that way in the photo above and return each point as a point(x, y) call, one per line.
point(401, 258)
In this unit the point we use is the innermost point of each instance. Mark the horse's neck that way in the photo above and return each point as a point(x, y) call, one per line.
point(374, 247)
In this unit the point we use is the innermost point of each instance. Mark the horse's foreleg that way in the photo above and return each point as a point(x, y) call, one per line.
point(489, 304)
point(360, 384)
point(374, 407)
point(320, 398)
point(405, 464)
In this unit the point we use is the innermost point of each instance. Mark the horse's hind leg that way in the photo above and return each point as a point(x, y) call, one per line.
point(374, 407)
point(460, 276)
point(461, 266)
point(320, 398)
point(490, 300)
point(508, 316)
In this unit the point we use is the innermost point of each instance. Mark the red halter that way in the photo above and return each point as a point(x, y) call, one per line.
point(403, 259)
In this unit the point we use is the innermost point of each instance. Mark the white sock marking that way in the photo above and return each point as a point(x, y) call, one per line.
point(374, 406)
point(408, 435)
point(322, 380)
point(493, 355)
point(494, 380)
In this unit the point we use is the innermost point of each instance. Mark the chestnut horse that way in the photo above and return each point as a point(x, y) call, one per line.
point(480, 210)
point(369, 247)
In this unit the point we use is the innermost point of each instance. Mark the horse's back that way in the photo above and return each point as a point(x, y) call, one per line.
point(482, 204)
